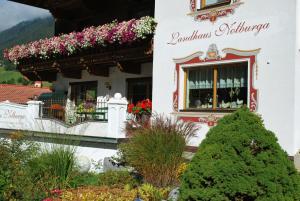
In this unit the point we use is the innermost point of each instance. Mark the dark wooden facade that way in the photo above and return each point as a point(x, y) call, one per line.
point(74, 15)
point(97, 61)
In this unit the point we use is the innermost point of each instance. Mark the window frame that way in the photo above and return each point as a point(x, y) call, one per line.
point(147, 80)
point(203, 5)
point(87, 83)
point(214, 65)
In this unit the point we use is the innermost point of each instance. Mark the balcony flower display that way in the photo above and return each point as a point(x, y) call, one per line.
point(68, 44)
point(86, 107)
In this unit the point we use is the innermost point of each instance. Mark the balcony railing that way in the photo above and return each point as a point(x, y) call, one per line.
point(66, 111)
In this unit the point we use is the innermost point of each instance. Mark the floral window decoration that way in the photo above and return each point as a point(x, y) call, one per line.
point(211, 10)
point(68, 44)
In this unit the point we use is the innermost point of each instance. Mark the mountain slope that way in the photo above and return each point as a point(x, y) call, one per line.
point(23, 32)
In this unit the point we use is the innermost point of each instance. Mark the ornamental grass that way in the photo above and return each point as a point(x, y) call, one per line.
point(155, 150)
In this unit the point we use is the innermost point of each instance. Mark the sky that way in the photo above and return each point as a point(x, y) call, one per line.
point(12, 13)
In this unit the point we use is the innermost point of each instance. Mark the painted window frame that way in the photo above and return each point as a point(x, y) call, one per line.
point(229, 55)
point(214, 66)
point(201, 4)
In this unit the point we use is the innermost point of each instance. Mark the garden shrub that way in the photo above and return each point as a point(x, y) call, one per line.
point(147, 192)
point(79, 179)
point(117, 179)
point(55, 163)
point(103, 193)
point(15, 180)
point(240, 161)
point(155, 150)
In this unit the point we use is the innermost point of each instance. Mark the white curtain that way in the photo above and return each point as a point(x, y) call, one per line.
point(232, 77)
point(212, 2)
point(201, 78)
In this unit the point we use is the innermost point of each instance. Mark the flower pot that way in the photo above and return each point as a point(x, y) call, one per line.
point(143, 118)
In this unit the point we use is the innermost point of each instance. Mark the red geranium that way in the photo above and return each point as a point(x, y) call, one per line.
point(130, 107)
point(142, 107)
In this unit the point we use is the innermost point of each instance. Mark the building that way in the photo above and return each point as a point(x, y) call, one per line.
point(20, 94)
point(207, 58)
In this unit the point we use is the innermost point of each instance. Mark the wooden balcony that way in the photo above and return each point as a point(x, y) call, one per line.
point(97, 61)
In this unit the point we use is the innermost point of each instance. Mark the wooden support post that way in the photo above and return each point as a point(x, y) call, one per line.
point(215, 88)
point(185, 89)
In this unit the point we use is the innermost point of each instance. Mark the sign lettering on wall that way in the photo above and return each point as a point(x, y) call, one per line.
point(223, 30)
point(11, 114)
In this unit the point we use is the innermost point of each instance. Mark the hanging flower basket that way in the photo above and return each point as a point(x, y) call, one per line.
point(70, 44)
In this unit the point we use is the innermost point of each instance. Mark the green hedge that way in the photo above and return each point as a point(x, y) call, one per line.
point(240, 161)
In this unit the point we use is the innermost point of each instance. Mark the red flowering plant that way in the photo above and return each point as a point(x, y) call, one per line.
point(141, 108)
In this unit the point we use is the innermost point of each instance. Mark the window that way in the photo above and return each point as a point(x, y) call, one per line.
point(220, 87)
point(83, 91)
point(139, 89)
point(203, 4)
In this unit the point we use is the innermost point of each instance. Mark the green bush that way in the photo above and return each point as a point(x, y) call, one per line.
point(155, 150)
point(56, 163)
point(150, 193)
point(240, 161)
point(116, 179)
point(84, 179)
point(15, 180)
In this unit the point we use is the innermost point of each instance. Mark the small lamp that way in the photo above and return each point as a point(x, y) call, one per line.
point(108, 85)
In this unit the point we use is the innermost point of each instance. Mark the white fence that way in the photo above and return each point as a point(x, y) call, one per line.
point(28, 118)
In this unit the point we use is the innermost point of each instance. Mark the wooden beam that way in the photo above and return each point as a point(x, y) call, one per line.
point(47, 76)
point(129, 59)
point(41, 75)
point(72, 73)
point(129, 67)
point(31, 76)
point(100, 70)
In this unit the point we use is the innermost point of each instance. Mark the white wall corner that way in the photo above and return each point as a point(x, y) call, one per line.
point(297, 81)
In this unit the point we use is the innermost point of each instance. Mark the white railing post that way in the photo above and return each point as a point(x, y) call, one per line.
point(33, 108)
point(117, 110)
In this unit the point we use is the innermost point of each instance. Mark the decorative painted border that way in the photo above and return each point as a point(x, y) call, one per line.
point(209, 119)
point(212, 56)
point(214, 13)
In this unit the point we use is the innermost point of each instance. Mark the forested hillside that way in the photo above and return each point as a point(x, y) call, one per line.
point(23, 32)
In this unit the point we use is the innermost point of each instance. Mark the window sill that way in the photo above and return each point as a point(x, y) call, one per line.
point(208, 110)
point(201, 113)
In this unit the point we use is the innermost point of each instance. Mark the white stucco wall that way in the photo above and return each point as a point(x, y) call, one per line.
point(276, 81)
point(297, 79)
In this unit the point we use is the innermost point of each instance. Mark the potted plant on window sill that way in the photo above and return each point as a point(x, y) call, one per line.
point(142, 110)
